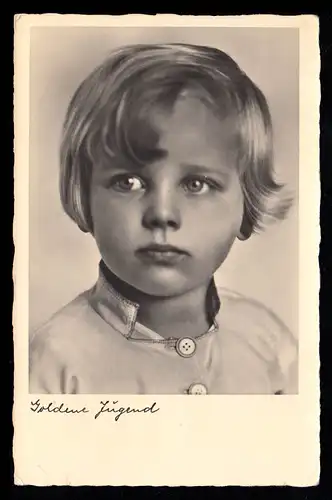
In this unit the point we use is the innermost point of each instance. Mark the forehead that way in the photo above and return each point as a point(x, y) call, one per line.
point(193, 127)
point(188, 132)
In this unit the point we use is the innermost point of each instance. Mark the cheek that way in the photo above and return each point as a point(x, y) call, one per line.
point(221, 216)
point(217, 236)
point(109, 214)
point(112, 233)
point(114, 224)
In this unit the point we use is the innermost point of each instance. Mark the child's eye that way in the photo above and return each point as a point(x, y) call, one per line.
point(126, 183)
point(195, 185)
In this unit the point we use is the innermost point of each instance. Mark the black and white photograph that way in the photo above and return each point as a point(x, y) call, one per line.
point(163, 219)
point(176, 149)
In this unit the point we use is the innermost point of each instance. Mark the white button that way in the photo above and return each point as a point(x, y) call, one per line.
point(186, 347)
point(198, 389)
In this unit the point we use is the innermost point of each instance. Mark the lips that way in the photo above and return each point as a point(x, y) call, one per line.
point(162, 254)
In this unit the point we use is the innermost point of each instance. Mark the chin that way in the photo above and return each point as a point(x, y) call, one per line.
point(163, 288)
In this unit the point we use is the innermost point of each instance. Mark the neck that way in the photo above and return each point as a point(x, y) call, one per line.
point(189, 314)
point(178, 316)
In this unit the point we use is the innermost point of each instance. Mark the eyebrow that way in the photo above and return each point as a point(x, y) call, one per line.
point(192, 168)
point(206, 169)
point(158, 154)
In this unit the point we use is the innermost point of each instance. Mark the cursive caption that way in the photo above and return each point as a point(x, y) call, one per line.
point(112, 407)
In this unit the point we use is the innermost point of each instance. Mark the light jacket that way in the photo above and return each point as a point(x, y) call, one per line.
point(95, 345)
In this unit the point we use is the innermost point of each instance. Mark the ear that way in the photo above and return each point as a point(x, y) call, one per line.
point(246, 229)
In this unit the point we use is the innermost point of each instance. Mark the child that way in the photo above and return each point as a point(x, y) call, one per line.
point(166, 159)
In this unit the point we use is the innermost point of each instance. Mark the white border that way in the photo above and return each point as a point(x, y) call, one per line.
point(228, 440)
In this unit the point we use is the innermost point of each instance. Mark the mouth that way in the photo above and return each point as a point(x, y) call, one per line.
point(162, 254)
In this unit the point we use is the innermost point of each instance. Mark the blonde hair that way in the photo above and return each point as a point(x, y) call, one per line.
point(119, 97)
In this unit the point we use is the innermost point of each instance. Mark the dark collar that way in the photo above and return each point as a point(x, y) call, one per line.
point(114, 300)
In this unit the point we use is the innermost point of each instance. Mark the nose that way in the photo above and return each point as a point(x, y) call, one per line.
point(162, 211)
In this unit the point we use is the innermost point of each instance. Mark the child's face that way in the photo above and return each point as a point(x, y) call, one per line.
point(190, 199)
